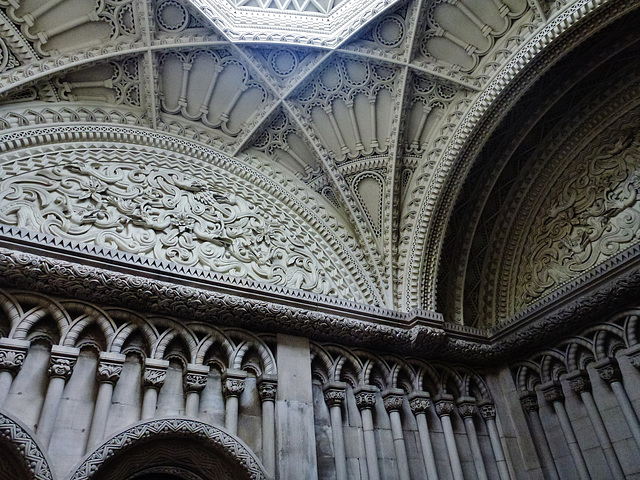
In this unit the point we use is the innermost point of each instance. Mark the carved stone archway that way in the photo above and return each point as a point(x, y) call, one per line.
point(159, 444)
point(28, 460)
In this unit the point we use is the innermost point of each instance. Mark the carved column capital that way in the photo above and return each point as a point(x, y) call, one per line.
point(419, 402)
point(233, 383)
point(155, 373)
point(12, 354)
point(110, 367)
point(195, 379)
point(552, 392)
point(466, 407)
point(62, 361)
point(529, 401)
point(335, 393)
point(579, 381)
point(267, 387)
point(444, 404)
point(487, 410)
point(392, 399)
point(365, 397)
point(608, 370)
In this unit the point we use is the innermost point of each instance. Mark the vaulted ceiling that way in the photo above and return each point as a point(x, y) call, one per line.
point(328, 164)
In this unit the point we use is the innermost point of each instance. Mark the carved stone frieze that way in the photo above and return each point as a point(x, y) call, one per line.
point(62, 361)
point(109, 372)
point(334, 396)
point(195, 382)
point(552, 392)
point(608, 370)
point(365, 397)
point(154, 377)
point(444, 405)
point(267, 391)
point(419, 402)
point(487, 410)
point(393, 400)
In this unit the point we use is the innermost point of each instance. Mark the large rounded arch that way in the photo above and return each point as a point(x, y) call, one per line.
point(21, 458)
point(170, 446)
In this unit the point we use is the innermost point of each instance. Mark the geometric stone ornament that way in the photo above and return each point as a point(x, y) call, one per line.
point(223, 443)
point(24, 446)
point(323, 23)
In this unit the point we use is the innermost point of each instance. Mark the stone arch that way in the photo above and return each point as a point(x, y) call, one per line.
point(29, 460)
point(201, 440)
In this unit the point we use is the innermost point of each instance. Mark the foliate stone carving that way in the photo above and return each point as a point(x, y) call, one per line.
point(444, 405)
point(419, 403)
point(109, 372)
point(334, 396)
point(487, 410)
point(195, 382)
point(608, 370)
point(233, 387)
point(579, 382)
point(223, 443)
point(466, 407)
point(393, 402)
point(587, 219)
point(365, 399)
point(25, 448)
point(164, 214)
point(552, 392)
point(529, 402)
point(11, 359)
point(154, 377)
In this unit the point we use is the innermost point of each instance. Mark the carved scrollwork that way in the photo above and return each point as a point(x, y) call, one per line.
point(154, 377)
point(164, 214)
point(11, 359)
point(109, 372)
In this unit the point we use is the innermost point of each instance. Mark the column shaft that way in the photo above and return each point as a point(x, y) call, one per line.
point(627, 410)
point(398, 443)
point(370, 444)
point(542, 444)
point(192, 404)
point(149, 403)
point(452, 450)
point(100, 414)
point(338, 442)
point(498, 452)
point(572, 441)
point(6, 379)
point(427, 448)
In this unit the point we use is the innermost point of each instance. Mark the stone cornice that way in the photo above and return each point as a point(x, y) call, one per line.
point(107, 281)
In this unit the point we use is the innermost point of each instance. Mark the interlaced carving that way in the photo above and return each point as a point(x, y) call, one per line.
point(164, 214)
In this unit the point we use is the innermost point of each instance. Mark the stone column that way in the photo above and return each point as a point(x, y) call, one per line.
point(12, 355)
point(392, 399)
point(609, 371)
point(580, 383)
point(467, 409)
point(444, 408)
point(552, 392)
point(488, 412)
point(366, 401)
point(109, 371)
point(529, 401)
point(232, 388)
point(194, 382)
point(154, 375)
point(419, 403)
point(334, 396)
point(267, 387)
point(61, 364)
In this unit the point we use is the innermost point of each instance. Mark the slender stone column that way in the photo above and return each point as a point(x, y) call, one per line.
point(552, 392)
point(12, 355)
point(609, 371)
point(467, 409)
point(194, 382)
point(232, 388)
point(366, 401)
point(529, 403)
point(444, 408)
point(334, 396)
point(154, 375)
point(109, 371)
point(419, 403)
point(61, 364)
point(393, 399)
point(267, 387)
point(488, 412)
point(580, 383)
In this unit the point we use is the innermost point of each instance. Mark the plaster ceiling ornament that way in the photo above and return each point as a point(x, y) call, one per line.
point(359, 138)
point(325, 23)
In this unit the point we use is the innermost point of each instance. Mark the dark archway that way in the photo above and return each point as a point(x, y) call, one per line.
point(171, 449)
